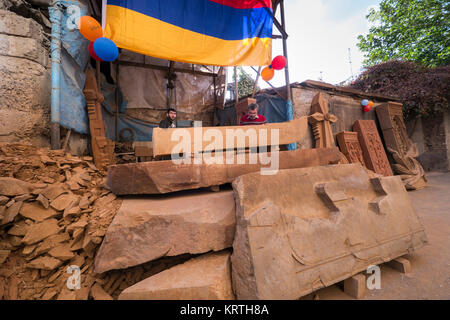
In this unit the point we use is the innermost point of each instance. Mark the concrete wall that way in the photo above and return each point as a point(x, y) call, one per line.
point(24, 81)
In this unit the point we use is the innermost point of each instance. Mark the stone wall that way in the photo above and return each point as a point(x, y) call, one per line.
point(432, 136)
point(25, 84)
point(346, 108)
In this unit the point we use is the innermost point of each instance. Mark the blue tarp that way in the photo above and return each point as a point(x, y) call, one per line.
point(74, 58)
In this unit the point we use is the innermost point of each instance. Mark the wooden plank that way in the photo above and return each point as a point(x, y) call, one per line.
point(289, 132)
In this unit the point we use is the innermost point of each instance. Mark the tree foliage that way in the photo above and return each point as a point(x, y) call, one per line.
point(422, 90)
point(413, 30)
point(245, 83)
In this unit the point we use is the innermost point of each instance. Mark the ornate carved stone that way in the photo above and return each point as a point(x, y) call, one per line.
point(350, 147)
point(305, 229)
point(320, 120)
point(403, 150)
point(102, 148)
point(372, 147)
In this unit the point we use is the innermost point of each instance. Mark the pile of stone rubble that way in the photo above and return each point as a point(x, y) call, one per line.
point(54, 213)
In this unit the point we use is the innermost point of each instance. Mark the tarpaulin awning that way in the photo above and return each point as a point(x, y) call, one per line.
point(211, 32)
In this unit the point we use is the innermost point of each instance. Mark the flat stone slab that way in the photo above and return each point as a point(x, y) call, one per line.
point(160, 177)
point(144, 230)
point(12, 187)
point(207, 277)
point(306, 229)
point(36, 212)
point(165, 141)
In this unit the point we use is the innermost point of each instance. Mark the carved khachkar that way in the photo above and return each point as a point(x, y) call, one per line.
point(305, 229)
point(372, 147)
point(350, 147)
point(102, 148)
point(403, 150)
point(320, 120)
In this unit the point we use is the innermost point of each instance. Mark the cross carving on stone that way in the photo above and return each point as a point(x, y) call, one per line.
point(320, 120)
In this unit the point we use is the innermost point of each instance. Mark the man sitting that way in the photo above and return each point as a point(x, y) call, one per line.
point(253, 118)
point(171, 120)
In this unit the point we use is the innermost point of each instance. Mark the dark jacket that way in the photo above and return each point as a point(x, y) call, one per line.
point(166, 123)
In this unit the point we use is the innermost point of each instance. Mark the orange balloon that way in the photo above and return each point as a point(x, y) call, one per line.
point(371, 104)
point(267, 73)
point(90, 28)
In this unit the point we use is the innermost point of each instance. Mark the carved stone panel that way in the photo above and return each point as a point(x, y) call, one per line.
point(403, 150)
point(350, 147)
point(102, 148)
point(305, 229)
point(372, 147)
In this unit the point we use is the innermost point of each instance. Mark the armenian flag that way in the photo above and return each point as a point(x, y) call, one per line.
point(209, 32)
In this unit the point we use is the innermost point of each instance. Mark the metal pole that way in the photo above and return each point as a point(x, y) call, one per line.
point(55, 130)
point(236, 90)
point(285, 53)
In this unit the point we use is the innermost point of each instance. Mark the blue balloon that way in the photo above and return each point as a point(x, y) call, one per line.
point(365, 103)
point(106, 49)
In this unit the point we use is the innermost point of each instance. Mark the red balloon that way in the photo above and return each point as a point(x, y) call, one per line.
point(367, 108)
point(279, 62)
point(92, 52)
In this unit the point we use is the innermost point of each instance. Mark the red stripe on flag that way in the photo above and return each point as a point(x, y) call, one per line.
point(245, 4)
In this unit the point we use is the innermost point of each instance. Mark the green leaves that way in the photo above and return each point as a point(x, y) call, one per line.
point(417, 30)
point(245, 83)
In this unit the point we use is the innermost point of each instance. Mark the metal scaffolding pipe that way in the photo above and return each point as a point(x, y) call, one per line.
point(56, 13)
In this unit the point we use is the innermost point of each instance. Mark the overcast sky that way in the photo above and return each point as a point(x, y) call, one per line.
point(320, 33)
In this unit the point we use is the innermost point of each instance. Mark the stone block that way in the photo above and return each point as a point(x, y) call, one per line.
point(203, 278)
point(160, 177)
point(148, 229)
point(310, 228)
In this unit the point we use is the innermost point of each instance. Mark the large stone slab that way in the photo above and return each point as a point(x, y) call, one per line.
point(13, 187)
point(306, 229)
point(203, 278)
point(160, 177)
point(165, 140)
point(148, 229)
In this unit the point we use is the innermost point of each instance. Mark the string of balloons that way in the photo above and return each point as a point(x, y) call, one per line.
point(278, 63)
point(100, 48)
point(367, 105)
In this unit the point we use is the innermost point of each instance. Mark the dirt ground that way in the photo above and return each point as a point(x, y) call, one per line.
point(430, 276)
